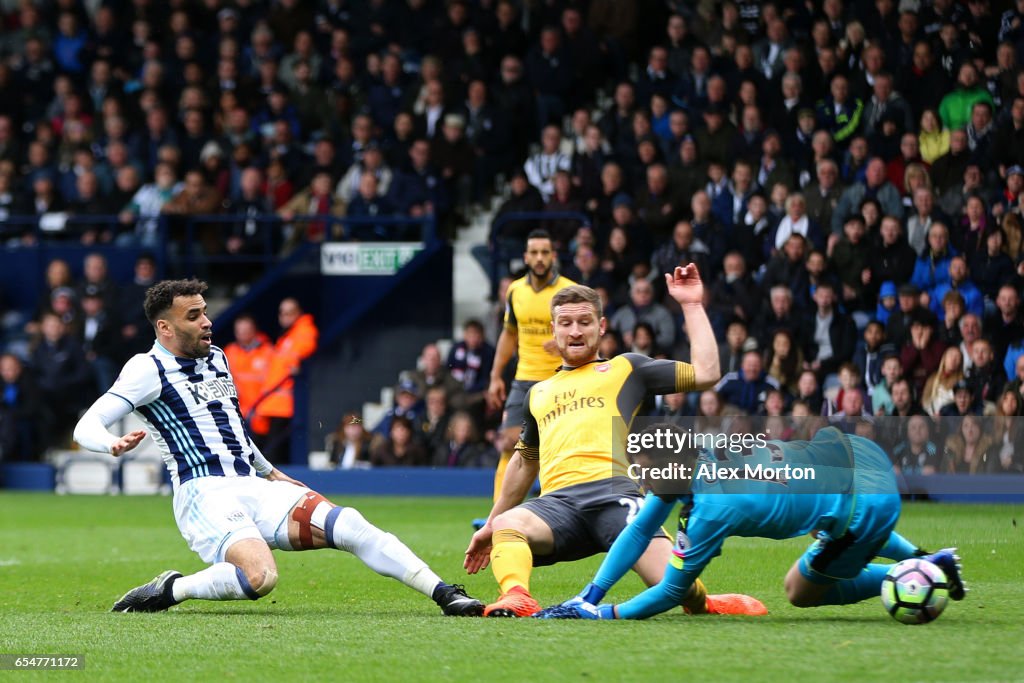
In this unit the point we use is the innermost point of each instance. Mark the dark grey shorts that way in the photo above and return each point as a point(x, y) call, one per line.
point(585, 519)
point(513, 415)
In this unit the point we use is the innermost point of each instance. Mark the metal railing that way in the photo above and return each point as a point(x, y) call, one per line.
point(186, 243)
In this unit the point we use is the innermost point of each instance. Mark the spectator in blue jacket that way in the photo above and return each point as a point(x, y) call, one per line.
point(959, 281)
point(932, 267)
point(747, 388)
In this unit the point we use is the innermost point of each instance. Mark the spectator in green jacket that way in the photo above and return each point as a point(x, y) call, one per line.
point(955, 109)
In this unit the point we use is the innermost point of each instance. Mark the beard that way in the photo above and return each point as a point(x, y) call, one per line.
point(585, 351)
point(193, 346)
point(195, 349)
point(540, 271)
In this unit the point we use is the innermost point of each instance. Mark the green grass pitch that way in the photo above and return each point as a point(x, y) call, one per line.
point(64, 560)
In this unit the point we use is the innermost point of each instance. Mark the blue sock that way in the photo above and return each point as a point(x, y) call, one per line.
point(865, 585)
point(898, 548)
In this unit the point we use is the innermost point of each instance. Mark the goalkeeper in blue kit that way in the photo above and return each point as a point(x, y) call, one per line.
point(851, 505)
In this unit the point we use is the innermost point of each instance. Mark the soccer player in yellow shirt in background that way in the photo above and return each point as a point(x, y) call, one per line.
point(527, 332)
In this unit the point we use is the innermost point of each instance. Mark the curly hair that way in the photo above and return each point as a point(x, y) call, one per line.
point(160, 297)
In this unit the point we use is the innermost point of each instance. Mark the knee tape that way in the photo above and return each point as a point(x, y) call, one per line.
point(310, 512)
point(268, 582)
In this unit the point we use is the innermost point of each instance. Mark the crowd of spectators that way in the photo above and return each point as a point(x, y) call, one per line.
point(57, 360)
point(849, 178)
point(848, 175)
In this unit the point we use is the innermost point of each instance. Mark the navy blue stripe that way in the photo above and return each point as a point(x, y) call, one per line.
point(162, 411)
point(246, 586)
point(184, 470)
point(188, 366)
point(220, 373)
point(241, 418)
point(173, 399)
point(113, 393)
point(332, 517)
point(245, 431)
point(224, 374)
point(238, 411)
point(242, 468)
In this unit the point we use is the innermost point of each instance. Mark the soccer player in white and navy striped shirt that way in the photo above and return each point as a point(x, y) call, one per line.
point(231, 505)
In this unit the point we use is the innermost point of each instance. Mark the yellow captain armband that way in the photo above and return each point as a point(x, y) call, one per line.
point(527, 452)
point(686, 380)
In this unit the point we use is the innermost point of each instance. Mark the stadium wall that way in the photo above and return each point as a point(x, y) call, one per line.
point(374, 334)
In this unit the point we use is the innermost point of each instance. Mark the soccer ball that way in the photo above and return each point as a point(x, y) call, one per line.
point(915, 591)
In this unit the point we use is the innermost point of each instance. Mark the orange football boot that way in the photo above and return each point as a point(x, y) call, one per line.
point(516, 603)
point(736, 603)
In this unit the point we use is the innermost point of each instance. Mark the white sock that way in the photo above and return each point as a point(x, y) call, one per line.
point(222, 581)
point(382, 552)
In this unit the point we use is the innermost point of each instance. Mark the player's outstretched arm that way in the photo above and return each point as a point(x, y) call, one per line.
point(519, 477)
point(704, 543)
point(668, 593)
point(91, 432)
point(685, 286)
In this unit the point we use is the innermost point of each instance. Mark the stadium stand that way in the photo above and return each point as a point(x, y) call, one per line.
point(865, 157)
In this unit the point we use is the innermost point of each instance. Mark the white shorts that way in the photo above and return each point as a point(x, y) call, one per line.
point(213, 513)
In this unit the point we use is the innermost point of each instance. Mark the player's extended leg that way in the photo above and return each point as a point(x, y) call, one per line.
point(807, 592)
point(315, 522)
point(838, 571)
point(519, 533)
point(899, 548)
point(248, 572)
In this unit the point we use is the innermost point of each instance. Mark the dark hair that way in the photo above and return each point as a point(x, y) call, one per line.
point(826, 284)
point(653, 350)
point(160, 297)
point(789, 366)
point(910, 387)
point(738, 321)
point(538, 234)
point(401, 421)
point(474, 324)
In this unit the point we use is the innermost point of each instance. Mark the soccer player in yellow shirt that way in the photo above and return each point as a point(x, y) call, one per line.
point(567, 438)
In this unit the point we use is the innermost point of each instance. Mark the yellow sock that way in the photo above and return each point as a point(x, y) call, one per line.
point(499, 474)
point(511, 560)
point(696, 598)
